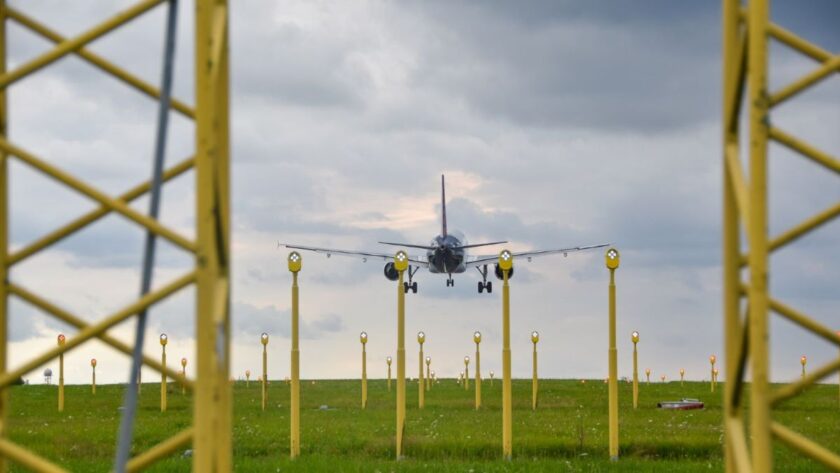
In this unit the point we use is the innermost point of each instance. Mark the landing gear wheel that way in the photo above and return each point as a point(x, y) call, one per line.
point(489, 287)
point(405, 287)
point(480, 287)
point(414, 287)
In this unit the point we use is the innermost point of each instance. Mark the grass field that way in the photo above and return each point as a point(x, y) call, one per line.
point(568, 432)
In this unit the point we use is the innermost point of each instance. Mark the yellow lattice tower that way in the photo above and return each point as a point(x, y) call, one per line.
point(211, 429)
point(747, 31)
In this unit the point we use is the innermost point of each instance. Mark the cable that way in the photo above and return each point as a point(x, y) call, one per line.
point(130, 406)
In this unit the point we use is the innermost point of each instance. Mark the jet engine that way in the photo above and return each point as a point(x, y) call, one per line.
point(502, 276)
point(391, 272)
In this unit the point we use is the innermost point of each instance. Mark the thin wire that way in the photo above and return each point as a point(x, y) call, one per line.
point(130, 406)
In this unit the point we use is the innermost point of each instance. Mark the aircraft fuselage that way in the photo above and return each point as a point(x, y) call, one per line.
point(447, 257)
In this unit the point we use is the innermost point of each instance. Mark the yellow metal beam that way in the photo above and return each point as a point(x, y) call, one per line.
point(830, 66)
point(161, 450)
point(734, 206)
point(804, 321)
point(27, 458)
point(803, 148)
point(212, 407)
point(740, 187)
point(83, 188)
point(806, 446)
point(80, 324)
point(762, 449)
point(74, 44)
point(791, 390)
point(92, 331)
point(94, 215)
point(798, 44)
point(4, 243)
point(99, 61)
point(738, 445)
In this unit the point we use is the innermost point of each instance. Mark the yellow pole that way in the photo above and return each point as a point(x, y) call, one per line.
point(421, 391)
point(803, 361)
point(612, 260)
point(647, 375)
point(264, 341)
point(163, 340)
point(93, 376)
point(295, 262)
point(477, 340)
point(61, 341)
point(757, 224)
point(535, 337)
point(712, 360)
point(400, 264)
point(506, 265)
point(388, 360)
point(466, 373)
point(4, 242)
point(635, 338)
point(247, 378)
point(682, 376)
point(428, 373)
point(184, 374)
point(363, 337)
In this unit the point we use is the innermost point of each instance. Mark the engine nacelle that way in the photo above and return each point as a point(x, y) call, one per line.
point(501, 276)
point(391, 272)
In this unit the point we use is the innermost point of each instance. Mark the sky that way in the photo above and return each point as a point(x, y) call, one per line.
point(556, 123)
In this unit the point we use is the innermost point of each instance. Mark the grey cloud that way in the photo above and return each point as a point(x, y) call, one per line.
point(251, 320)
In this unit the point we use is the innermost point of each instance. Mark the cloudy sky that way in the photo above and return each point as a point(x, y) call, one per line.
point(556, 123)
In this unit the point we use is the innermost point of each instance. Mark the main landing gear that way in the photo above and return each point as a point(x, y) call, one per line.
point(484, 283)
point(450, 282)
point(411, 286)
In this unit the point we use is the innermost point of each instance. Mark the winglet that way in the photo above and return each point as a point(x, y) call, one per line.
point(443, 205)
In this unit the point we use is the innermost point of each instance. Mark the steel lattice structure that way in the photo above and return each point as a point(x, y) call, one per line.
point(210, 433)
point(747, 31)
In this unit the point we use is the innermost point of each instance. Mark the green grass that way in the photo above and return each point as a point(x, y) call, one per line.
point(568, 432)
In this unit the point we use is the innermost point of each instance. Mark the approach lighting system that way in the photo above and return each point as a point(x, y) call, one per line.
point(401, 261)
point(363, 337)
point(264, 338)
point(505, 260)
point(635, 337)
point(477, 337)
point(612, 258)
point(93, 362)
point(295, 261)
point(421, 337)
point(535, 336)
point(61, 340)
point(163, 339)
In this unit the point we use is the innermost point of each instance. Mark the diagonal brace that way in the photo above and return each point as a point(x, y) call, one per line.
point(161, 450)
point(71, 45)
point(92, 331)
point(94, 215)
point(114, 204)
point(791, 390)
point(99, 61)
point(80, 324)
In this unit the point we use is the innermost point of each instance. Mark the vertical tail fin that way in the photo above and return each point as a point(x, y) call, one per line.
point(443, 206)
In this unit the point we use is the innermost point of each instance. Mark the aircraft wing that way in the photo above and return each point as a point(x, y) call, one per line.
point(480, 260)
point(364, 255)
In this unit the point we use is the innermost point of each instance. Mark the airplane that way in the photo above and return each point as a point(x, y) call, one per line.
point(446, 254)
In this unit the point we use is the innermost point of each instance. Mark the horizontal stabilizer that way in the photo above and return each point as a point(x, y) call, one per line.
point(408, 245)
point(476, 245)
